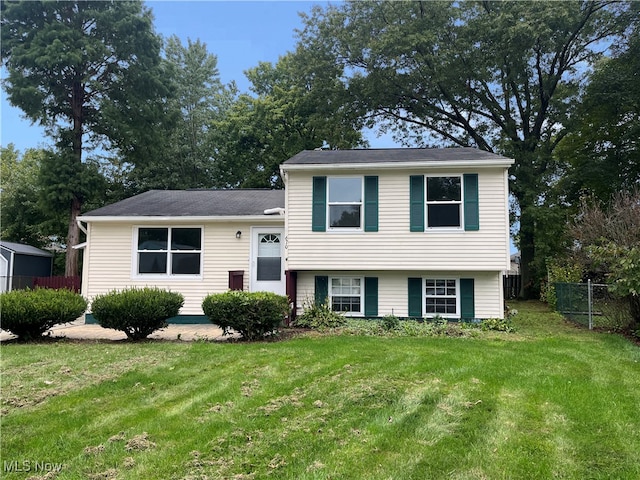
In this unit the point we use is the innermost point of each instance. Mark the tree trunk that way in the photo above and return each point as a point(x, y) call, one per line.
point(73, 233)
point(73, 238)
point(528, 287)
point(634, 304)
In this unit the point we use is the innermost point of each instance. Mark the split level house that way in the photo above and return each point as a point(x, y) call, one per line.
point(410, 232)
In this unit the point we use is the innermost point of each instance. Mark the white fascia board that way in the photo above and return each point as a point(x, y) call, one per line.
point(181, 219)
point(401, 165)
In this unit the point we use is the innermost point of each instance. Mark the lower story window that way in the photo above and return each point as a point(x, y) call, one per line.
point(441, 297)
point(345, 294)
point(169, 251)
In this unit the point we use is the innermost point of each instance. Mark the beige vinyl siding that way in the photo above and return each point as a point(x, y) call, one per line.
point(109, 261)
point(394, 246)
point(393, 294)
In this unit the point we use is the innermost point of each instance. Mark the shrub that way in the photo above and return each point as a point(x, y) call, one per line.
point(319, 316)
point(390, 322)
point(498, 324)
point(138, 312)
point(557, 272)
point(30, 313)
point(252, 314)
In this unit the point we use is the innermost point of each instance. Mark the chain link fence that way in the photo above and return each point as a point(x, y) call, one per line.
point(592, 305)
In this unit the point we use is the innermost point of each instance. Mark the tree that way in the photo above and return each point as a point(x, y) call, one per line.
point(65, 60)
point(292, 108)
point(22, 217)
point(501, 76)
point(607, 244)
point(603, 151)
point(196, 100)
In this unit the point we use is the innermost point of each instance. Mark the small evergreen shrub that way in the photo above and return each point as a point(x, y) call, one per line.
point(29, 313)
point(138, 312)
point(390, 322)
point(252, 314)
point(319, 316)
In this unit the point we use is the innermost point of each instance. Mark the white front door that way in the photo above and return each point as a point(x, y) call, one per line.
point(267, 262)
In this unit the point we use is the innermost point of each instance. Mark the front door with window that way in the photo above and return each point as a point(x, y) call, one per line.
point(267, 263)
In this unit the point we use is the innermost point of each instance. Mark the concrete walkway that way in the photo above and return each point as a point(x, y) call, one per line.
point(80, 331)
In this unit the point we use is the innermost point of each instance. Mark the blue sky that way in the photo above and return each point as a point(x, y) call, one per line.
point(239, 33)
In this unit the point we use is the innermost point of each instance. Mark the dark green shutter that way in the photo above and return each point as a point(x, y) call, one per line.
point(471, 207)
point(322, 289)
point(416, 203)
point(371, 296)
point(467, 308)
point(319, 209)
point(415, 297)
point(371, 204)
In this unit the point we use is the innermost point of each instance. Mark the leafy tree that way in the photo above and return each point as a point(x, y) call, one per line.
point(292, 108)
point(22, 217)
point(501, 76)
point(65, 62)
point(607, 244)
point(196, 99)
point(603, 151)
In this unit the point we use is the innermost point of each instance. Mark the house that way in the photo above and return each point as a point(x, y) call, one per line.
point(409, 232)
point(20, 263)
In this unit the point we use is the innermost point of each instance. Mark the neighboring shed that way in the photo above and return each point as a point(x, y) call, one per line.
point(19, 264)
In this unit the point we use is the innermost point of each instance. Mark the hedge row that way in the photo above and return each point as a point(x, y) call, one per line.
point(138, 312)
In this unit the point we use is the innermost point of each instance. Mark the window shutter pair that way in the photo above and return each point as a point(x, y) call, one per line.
point(370, 293)
point(319, 204)
point(470, 203)
point(467, 298)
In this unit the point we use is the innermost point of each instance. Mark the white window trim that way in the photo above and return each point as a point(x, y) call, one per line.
point(424, 297)
point(360, 203)
point(165, 276)
point(460, 203)
point(349, 314)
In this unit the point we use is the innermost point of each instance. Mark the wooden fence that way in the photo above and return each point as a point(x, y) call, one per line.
point(58, 283)
point(511, 285)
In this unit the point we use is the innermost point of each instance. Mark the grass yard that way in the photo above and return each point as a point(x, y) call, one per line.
point(549, 401)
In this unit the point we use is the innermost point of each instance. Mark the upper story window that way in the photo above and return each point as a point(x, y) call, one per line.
point(169, 251)
point(444, 202)
point(345, 202)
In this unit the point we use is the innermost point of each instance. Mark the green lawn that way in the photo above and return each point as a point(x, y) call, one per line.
point(549, 401)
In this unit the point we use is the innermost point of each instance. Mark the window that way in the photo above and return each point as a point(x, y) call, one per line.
point(452, 202)
point(441, 297)
point(169, 250)
point(345, 294)
point(269, 257)
point(444, 202)
point(345, 202)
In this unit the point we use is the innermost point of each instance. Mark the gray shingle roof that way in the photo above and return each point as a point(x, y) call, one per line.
point(391, 155)
point(25, 249)
point(194, 203)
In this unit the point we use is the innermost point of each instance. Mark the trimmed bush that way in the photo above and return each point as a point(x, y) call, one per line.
point(30, 313)
point(138, 312)
point(252, 314)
